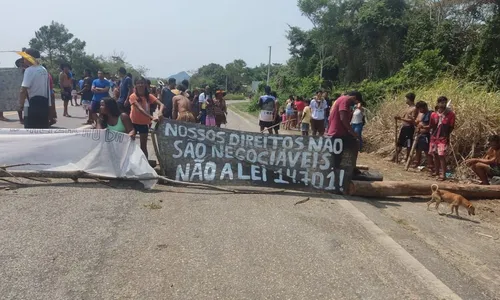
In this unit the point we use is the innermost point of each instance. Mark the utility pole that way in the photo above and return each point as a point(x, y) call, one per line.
point(269, 66)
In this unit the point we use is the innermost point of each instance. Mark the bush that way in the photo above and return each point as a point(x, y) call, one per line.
point(235, 97)
point(477, 111)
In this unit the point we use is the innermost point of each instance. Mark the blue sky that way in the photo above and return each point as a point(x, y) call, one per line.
point(165, 36)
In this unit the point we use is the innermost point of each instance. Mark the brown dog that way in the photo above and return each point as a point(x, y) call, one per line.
point(454, 200)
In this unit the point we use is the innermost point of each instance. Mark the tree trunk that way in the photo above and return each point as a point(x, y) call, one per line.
point(381, 189)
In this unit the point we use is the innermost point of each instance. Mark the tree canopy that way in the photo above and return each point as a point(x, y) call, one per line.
point(57, 45)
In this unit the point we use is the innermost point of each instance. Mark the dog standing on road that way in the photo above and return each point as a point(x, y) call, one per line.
point(454, 200)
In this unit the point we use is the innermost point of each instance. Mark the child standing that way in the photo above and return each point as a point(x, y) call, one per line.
point(441, 125)
point(306, 119)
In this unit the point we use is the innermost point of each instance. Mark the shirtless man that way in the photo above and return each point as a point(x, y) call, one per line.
point(181, 106)
point(405, 139)
point(66, 84)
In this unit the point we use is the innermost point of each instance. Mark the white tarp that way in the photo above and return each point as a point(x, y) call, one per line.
point(10, 84)
point(97, 152)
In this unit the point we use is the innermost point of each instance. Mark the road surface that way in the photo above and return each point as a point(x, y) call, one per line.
point(78, 117)
point(91, 241)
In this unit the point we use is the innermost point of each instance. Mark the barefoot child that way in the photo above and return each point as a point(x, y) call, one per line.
point(489, 165)
point(441, 124)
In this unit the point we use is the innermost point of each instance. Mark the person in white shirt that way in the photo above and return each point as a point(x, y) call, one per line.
point(318, 107)
point(202, 100)
point(35, 88)
point(358, 121)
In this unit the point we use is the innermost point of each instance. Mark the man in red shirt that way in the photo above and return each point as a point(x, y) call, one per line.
point(441, 124)
point(339, 124)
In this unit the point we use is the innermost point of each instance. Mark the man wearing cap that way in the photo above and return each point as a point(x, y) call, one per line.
point(35, 89)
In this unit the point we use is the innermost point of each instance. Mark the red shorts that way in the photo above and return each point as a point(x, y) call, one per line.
point(439, 147)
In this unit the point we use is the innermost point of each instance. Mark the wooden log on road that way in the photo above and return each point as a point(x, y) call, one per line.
point(381, 189)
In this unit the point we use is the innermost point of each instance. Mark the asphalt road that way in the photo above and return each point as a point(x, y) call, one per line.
point(78, 117)
point(92, 241)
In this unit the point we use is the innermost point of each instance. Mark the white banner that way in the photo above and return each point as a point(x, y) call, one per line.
point(10, 85)
point(97, 152)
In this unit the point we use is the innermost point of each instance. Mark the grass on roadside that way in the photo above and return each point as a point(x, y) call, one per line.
point(243, 107)
point(235, 97)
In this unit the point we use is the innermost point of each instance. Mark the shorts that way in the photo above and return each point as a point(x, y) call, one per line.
point(66, 94)
point(423, 142)
point(38, 113)
point(304, 127)
point(73, 93)
point(141, 129)
point(95, 106)
point(318, 126)
point(266, 124)
point(86, 104)
point(405, 139)
point(439, 147)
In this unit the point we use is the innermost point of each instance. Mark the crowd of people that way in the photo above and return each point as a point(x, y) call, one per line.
point(119, 104)
point(307, 115)
point(428, 131)
point(129, 106)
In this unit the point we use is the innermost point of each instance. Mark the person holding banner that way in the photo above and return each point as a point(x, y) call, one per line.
point(140, 102)
point(35, 89)
point(112, 118)
point(339, 124)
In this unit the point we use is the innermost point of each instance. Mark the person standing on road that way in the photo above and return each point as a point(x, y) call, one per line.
point(35, 89)
point(358, 122)
point(167, 97)
point(340, 124)
point(305, 120)
point(126, 88)
point(181, 106)
point(140, 101)
point(202, 100)
point(277, 117)
point(318, 106)
point(87, 95)
point(328, 107)
point(195, 107)
point(216, 110)
point(267, 104)
point(100, 88)
point(66, 85)
point(111, 118)
point(300, 104)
